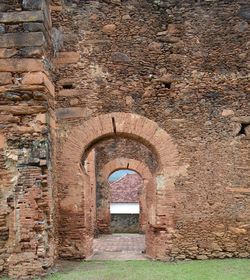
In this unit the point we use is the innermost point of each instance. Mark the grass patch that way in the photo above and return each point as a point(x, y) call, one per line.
point(230, 269)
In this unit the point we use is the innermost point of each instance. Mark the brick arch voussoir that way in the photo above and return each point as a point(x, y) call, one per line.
point(130, 125)
point(122, 163)
point(74, 189)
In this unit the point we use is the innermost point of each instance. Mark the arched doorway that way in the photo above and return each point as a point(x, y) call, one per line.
point(75, 194)
point(125, 188)
point(103, 213)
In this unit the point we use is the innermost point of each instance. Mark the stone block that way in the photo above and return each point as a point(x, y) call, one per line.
point(33, 4)
point(202, 257)
point(73, 92)
point(118, 57)
point(237, 231)
point(31, 52)
point(109, 28)
point(73, 101)
point(37, 27)
point(155, 46)
point(215, 247)
point(38, 78)
point(10, 40)
point(41, 118)
point(176, 57)
point(22, 109)
point(43, 162)
point(227, 112)
point(19, 17)
point(242, 119)
point(126, 17)
point(2, 141)
point(172, 28)
point(33, 78)
point(56, 8)
point(9, 118)
point(75, 112)
point(244, 255)
point(7, 53)
point(21, 65)
point(167, 78)
point(5, 78)
point(67, 58)
point(34, 27)
point(238, 190)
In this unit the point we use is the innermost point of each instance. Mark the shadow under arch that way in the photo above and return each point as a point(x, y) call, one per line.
point(95, 143)
point(75, 207)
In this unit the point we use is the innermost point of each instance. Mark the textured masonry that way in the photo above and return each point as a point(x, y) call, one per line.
point(72, 180)
point(151, 81)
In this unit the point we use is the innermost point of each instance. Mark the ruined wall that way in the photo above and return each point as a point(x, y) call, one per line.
point(110, 149)
point(26, 131)
point(125, 223)
point(157, 59)
point(160, 60)
point(80, 213)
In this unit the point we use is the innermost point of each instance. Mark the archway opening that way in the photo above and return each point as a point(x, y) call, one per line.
point(121, 217)
point(76, 188)
point(114, 154)
point(127, 216)
point(126, 187)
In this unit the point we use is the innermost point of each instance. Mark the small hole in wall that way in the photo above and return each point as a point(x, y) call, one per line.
point(68, 86)
point(167, 85)
point(242, 129)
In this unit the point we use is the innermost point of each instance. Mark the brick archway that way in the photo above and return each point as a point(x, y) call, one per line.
point(126, 163)
point(103, 213)
point(75, 207)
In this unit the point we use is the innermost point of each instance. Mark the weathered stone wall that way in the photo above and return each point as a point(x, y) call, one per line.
point(182, 64)
point(73, 214)
point(125, 223)
point(26, 130)
point(161, 60)
point(110, 149)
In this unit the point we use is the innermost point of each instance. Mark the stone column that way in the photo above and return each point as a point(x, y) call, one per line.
point(27, 93)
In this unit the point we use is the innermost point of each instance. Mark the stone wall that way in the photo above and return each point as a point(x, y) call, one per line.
point(125, 223)
point(74, 238)
point(182, 64)
point(160, 60)
point(27, 246)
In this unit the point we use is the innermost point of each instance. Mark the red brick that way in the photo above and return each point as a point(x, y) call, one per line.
point(21, 65)
point(67, 58)
point(38, 78)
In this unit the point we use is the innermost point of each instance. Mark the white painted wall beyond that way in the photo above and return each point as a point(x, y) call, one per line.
point(125, 208)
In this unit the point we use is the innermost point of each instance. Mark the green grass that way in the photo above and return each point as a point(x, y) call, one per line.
point(233, 269)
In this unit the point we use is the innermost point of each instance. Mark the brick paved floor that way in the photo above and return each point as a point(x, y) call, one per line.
point(119, 246)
